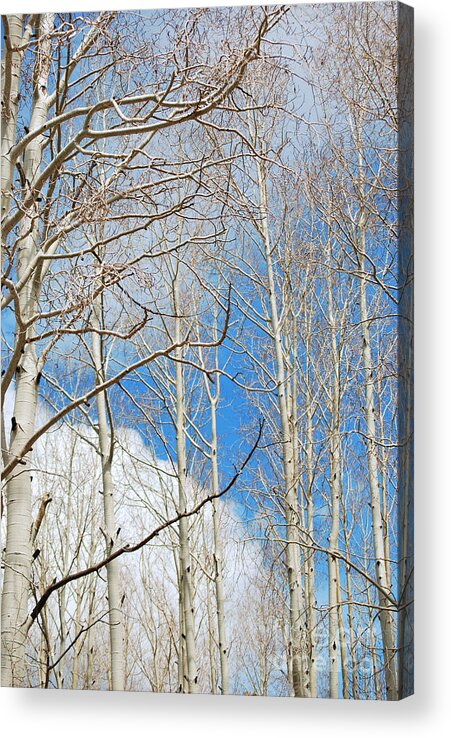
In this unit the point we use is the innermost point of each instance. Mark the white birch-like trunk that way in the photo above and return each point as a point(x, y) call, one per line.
point(310, 558)
point(213, 398)
point(181, 664)
point(62, 594)
point(292, 550)
point(335, 494)
point(383, 459)
point(381, 563)
point(211, 638)
point(372, 644)
point(17, 557)
point(190, 681)
point(343, 649)
point(382, 575)
point(106, 447)
point(309, 566)
point(217, 556)
point(308, 643)
point(76, 658)
point(333, 582)
point(14, 43)
point(350, 611)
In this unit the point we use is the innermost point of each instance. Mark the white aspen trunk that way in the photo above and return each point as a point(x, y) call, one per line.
point(66, 551)
point(43, 656)
point(219, 579)
point(343, 649)
point(76, 659)
point(335, 492)
point(181, 665)
point(287, 635)
point(333, 576)
point(211, 640)
point(15, 40)
point(91, 594)
point(386, 618)
point(89, 644)
point(309, 557)
point(17, 558)
point(383, 469)
point(308, 637)
point(373, 650)
point(217, 544)
point(47, 656)
point(190, 684)
point(106, 447)
point(89, 661)
point(350, 611)
point(43, 649)
point(293, 550)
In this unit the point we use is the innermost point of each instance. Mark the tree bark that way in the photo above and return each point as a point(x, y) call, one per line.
point(17, 557)
point(335, 489)
point(292, 550)
point(190, 684)
point(386, 618)
point(106, 447)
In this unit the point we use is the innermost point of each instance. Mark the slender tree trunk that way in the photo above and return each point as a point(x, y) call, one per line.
point(386, 618)
point(211, 640)
point(62, 594)
point(217, 543)
point(292, 550)
point(181, 664)
point(310, 557)
point(188, 635)
point(309, 636)
point(76, 658)
point(18, 487)
point(16, 583)
point(15, 40)
point(373, 650)
point(350, 611)
point(343, 649)
point(335, 489)
point(89, 644)
point(106, 447)
point(382, 575)
point(384, 484)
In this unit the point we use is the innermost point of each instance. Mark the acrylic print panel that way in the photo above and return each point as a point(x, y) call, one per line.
point(207, 351)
